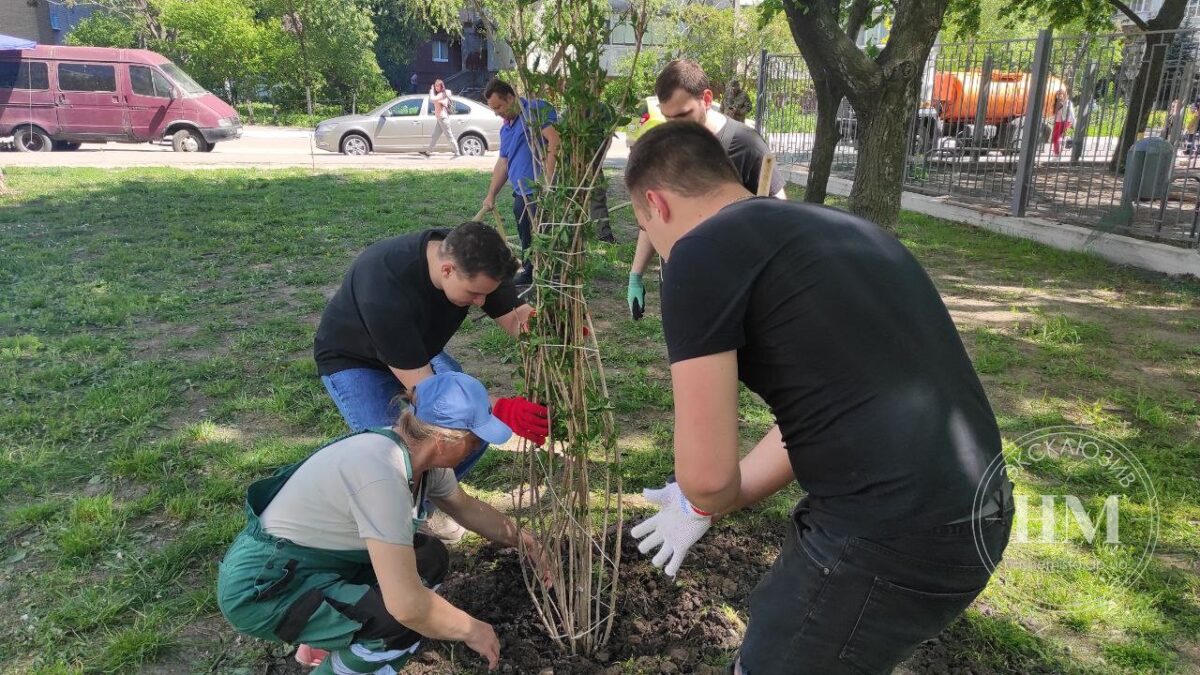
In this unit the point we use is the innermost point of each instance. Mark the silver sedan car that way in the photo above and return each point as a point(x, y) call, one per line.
point(406, 124)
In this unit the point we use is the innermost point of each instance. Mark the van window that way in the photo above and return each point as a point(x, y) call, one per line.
point(24, 75)
point(161, 84)
point(86, 77)
point(148, 82)
point(185, 82)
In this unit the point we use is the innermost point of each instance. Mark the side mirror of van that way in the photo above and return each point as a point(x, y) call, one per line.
point(174, 93)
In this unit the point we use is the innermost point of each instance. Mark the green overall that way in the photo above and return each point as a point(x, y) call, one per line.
point(278, 590)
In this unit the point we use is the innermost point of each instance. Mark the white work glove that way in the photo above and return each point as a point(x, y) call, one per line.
point(677, 526)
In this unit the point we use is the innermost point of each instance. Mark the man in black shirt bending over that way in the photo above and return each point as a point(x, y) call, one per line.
point(402, 300)
point(684, 94)
point(879, 414)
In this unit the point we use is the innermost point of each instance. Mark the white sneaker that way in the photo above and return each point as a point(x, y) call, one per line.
point(443, 527)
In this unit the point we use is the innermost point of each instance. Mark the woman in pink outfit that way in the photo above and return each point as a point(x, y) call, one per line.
point(442, 104)
point(1064, 117)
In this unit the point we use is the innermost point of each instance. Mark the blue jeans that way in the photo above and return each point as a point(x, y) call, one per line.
point(368, 398)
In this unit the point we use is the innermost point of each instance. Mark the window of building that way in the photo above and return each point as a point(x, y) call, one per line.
point(441, 51)
point(24, 75)
point(622, 33)
point(86, 77)
point(1140, 6)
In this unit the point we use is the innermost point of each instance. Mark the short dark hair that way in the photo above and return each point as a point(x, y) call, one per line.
point(479, 249)
point(684, 157)
point(683, 74)
point(498, 86)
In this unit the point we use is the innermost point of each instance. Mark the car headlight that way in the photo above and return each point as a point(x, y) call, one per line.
point(325, 128)
point(225, 122)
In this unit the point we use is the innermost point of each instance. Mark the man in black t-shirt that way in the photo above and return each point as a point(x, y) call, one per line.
point(402, 300)
point(684, 93)
point(879, 414)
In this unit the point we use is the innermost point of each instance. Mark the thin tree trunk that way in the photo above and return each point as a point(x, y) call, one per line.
point(1145, 86)
point(1142, 98)
point(820, 165)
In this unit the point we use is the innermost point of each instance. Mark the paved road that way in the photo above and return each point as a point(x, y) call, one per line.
point(263, 147)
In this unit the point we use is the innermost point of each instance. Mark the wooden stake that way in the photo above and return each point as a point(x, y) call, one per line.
point(499, 221)
point(764, 175)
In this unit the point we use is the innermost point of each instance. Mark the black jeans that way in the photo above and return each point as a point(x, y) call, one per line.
point(837, 604)
point(523, 212)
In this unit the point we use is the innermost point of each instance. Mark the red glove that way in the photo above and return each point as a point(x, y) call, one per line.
point(526, 418)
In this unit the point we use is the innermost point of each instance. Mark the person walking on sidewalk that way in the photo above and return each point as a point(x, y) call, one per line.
point(1190, 126)
point(528, 150)
point(386, 329)
point(1064, 117)
point(880, 416)
point(440, 96)
point(331, 557)
point(684, 93)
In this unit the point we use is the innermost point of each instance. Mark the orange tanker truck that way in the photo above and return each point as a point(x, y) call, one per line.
point(955, 100)
point(952, 105)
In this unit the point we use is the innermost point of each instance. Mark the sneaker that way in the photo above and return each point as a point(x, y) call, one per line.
point(310, 656)
point(443, 527)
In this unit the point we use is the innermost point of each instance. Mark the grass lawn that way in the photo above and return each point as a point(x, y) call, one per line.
point(155, 357)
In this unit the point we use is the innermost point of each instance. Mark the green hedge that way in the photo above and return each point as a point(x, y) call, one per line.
point(292, 114)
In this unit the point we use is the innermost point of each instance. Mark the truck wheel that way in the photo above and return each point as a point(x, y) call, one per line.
point(186, 140)
point(32, 139)
point(209, 148)
point(66, 145)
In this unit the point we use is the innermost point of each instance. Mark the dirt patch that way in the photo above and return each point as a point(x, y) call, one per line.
point(662, 627)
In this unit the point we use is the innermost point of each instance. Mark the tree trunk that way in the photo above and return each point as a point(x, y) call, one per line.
point(820, 165)
point(1145, 86)
point(883, 90)
point(1141, 102)
point(883, 135)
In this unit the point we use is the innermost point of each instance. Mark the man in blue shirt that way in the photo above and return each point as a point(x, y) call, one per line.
point(519, 163)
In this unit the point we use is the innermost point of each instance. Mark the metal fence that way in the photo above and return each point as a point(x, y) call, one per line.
point(969, 139)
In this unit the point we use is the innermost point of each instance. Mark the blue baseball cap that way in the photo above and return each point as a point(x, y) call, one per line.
point(458, 401)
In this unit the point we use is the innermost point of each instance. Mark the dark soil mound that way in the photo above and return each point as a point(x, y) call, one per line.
point(661, 626)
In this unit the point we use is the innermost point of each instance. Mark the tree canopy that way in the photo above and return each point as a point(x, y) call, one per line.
point(247, 47)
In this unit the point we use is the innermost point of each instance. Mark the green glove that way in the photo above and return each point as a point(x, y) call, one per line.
point(636, 296)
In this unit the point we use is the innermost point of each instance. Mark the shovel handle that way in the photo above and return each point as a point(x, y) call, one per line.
point(499, 221)
point(765, 173)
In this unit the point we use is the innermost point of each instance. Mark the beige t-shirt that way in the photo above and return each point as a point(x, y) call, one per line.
point(349, 491)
